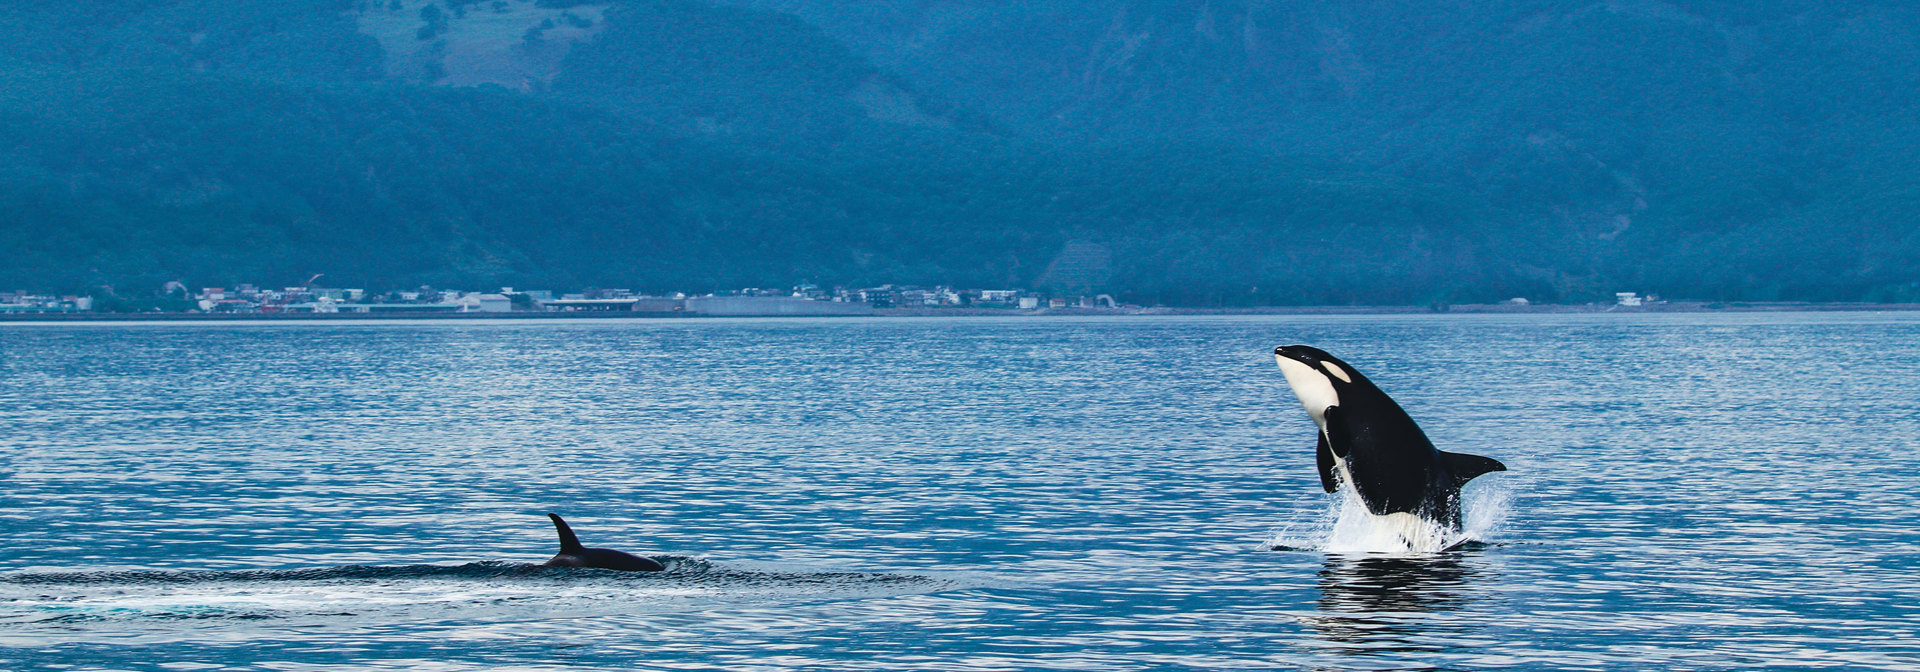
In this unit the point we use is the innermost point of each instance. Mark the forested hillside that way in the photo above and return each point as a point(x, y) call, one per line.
point(1176, 152)
point(1706, 147)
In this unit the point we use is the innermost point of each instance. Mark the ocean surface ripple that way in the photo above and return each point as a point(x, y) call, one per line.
point(1700, 491)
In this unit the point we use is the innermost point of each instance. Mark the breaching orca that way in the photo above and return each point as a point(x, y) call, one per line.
point(572, 554)
point(1369, 443)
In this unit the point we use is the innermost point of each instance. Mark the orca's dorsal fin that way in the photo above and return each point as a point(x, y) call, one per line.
point(568, 542)
point(1467, 467)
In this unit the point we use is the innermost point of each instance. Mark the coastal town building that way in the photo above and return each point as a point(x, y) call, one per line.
point(802, 299)
point(24, 302)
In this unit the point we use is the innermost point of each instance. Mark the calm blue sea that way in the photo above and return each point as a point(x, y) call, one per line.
point(1698, 491)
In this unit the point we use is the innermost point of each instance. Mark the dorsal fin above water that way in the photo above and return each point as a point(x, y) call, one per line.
point(568, 542)
point(1466, 467)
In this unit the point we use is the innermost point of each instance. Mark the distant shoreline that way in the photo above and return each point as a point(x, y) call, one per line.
point(1465, 309)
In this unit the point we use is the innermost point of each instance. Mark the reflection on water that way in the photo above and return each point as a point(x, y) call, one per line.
point(1372, 604)
point(1374, 584)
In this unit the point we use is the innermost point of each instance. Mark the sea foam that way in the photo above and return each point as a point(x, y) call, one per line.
point(1345, 526)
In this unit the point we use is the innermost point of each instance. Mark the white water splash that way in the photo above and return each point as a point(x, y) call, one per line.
point(1483, 509)
point(1347, 527)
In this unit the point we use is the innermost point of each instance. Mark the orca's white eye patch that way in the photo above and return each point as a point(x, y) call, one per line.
point(1336, 371)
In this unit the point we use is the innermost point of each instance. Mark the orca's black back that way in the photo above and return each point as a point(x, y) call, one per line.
point(1395, 467)
point(607, 558)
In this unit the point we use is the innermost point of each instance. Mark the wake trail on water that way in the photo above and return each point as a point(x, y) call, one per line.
point(1345, 526)
point(106, 605)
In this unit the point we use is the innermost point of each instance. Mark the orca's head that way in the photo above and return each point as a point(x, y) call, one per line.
point(1316, 377)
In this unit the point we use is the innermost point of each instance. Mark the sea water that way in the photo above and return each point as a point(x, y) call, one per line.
point(1697, 491)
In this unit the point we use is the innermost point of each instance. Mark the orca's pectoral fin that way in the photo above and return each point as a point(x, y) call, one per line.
point(1336, 424)
point(1467, 467)
point(1324, 455)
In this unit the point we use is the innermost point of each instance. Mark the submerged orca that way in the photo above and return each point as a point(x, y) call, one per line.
point(1369, 443)
point(572, 554)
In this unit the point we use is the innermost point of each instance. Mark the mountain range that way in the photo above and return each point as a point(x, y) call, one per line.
point(1195, 152)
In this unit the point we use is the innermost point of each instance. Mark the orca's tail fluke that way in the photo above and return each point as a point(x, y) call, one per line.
point(1468, 467)
point(568, 542)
